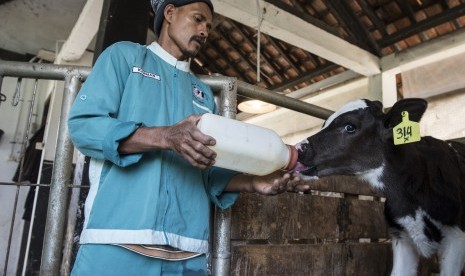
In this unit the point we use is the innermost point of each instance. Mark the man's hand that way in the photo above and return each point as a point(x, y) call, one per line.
point(271, 184)
point(187, 140)
point(184, 138)
point(278, 182)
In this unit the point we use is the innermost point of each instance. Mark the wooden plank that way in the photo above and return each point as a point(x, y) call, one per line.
point(292, 217)
point(344, 184)
point(320, 259)
point(365, 219)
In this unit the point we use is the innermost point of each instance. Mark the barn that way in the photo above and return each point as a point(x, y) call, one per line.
point(300, 60)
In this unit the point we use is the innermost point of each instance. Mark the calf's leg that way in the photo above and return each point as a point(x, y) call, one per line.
point(405, 256)
point(452, 251)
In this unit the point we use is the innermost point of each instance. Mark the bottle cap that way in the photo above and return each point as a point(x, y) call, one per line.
point(292, 158)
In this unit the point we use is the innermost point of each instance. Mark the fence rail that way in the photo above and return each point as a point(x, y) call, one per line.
point(225, 89)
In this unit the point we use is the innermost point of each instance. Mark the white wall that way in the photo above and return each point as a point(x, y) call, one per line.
point(443, 119)
point(294, 126)
point(13, 121)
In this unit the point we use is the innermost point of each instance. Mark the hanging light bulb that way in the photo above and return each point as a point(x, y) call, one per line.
point(256, 107)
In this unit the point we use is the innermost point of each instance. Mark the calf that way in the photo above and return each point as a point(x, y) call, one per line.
point(423, 181)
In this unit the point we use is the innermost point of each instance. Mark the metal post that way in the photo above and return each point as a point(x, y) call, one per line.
point(221, 252)
point(73, 75)
point(59, 191)
point(226, 90)
point(59, 194)
point(229, 88)
point(71, 221)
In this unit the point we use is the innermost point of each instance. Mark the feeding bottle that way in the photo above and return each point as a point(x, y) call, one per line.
point(245, 147)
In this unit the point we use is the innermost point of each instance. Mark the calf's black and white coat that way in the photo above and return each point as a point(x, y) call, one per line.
point(423, 182)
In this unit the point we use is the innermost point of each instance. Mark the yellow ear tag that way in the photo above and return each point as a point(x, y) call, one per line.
point(407, 131)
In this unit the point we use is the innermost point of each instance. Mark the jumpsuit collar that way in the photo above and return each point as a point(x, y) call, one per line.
point(163, 54)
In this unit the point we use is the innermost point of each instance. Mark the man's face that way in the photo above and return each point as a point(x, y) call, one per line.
point(188, 28)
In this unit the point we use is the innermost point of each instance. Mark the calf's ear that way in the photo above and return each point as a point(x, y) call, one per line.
point(414, 106)
point(376, 107)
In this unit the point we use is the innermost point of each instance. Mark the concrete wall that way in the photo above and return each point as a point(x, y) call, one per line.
point(13, 121)
point(442, 119)
point(293, 126)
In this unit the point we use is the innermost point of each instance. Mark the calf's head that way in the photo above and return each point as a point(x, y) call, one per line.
point(354, 140)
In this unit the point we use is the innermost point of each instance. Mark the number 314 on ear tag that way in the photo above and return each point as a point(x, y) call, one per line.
point(407, 131)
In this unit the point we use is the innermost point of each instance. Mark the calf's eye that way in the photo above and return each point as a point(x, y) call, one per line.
point(349, 128)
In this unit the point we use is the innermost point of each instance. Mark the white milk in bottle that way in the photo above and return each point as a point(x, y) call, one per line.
point(245, 147)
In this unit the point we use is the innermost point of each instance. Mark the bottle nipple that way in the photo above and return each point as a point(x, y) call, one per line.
point(293, 154)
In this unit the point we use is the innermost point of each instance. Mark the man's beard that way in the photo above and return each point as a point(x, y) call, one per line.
point(191, 54)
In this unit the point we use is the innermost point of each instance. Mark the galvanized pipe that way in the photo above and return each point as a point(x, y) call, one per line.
point(221, 254)
point(229, 88)
point(255, 92)
point(65, 269)
point(59, 191)
point(41, 70)
point(73, 75)
point(226, 89)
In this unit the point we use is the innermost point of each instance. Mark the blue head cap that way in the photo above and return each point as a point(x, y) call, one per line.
point(159, 6)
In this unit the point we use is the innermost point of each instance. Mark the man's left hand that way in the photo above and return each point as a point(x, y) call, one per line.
point(278, 182)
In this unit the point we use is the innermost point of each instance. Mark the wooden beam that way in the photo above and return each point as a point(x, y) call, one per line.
point(352, 23)
point(435, 50)
point(304, 77)
point(418, 28)
point(287, 27)
point(83, 31)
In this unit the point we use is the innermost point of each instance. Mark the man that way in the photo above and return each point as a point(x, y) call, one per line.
point(151, 174)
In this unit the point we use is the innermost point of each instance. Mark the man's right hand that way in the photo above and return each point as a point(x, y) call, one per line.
point(184, 138)
point(187, 140)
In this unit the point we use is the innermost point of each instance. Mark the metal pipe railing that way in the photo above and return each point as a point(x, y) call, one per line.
point(226, 87)
point(42, 70)
point(255, 92)
point(226, 90)
point(73, 209)
point(59, 192)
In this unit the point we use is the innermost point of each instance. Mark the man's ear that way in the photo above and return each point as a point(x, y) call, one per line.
point(168, 12)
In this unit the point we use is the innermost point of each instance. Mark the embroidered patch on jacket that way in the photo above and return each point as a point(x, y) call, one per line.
point(141, 71)
point(199, 94)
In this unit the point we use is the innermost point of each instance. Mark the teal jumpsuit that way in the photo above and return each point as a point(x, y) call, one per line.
point(143, 198)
